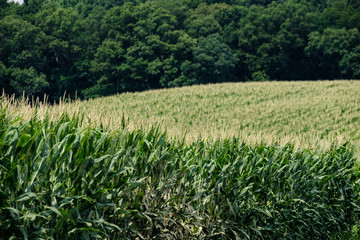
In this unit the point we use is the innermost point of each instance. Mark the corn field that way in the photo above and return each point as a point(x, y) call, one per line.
point(61, 180)
point(311, 114)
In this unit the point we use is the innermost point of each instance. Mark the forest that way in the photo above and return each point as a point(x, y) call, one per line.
point(88, 48)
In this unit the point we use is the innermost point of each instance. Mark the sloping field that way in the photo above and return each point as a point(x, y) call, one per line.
point(308, 114)
point(64, 176)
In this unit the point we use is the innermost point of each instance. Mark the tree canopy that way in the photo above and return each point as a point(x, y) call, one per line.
point(97, 48)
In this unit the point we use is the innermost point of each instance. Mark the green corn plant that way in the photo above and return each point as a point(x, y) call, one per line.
point(59, 180)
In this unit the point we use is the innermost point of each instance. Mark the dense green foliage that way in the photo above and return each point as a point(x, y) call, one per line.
point(58, 180)
point(104, 47)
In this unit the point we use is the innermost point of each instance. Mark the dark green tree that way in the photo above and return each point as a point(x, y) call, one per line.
point(147, 54)
point(340, 14)
point(104, 47)
point(21, 56)
point(4, 77)
point(214, 61)
point(202, 22)
point(107, 66)
point(62, 29)
point(28, 80)
point(334, 52)
point(3, 4)
point(272, 39)
point(350, 64)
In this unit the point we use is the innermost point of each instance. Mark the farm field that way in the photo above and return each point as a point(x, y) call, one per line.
point(307, 114)
point(104, 168)
point(179, 119)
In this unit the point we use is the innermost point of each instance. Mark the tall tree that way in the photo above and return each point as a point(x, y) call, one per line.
point(62, 29)
point(334, 52)
point(214, 61)
point(21, 56)
point(272, 39)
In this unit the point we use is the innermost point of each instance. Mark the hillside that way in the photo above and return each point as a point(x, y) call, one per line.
point(64, 176)
point(308, 114)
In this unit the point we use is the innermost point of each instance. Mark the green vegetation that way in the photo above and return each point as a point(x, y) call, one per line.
point(306, 114)
point(96, 48)
point(269, 160)
point(60, 180)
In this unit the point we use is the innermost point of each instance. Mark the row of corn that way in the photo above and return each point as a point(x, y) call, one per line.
point(61, 181)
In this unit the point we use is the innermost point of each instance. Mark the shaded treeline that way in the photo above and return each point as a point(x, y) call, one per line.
point(97, 48)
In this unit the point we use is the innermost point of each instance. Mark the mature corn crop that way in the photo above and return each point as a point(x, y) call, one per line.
point(61, 181)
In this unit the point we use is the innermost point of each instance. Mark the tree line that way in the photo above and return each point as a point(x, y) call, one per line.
point(97, 48)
